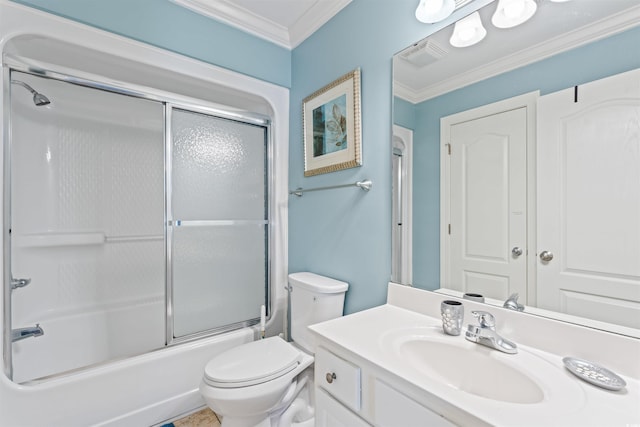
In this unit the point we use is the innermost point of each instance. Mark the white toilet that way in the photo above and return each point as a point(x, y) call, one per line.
point(262, 383)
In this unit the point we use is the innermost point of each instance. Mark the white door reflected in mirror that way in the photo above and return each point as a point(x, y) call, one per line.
point(589, 200)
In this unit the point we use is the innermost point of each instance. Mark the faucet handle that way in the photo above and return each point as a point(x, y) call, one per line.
point(485, 319)
point(512, 303)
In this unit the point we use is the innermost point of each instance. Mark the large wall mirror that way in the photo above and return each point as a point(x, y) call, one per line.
point(516, 162)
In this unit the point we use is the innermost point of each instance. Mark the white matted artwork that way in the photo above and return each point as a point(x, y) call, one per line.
point(332, 126)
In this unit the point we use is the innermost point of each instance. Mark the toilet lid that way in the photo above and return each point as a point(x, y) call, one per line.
point(253, 363)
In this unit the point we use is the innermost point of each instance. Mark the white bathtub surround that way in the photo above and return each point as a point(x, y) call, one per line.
point(151, 388)
point(369, 341)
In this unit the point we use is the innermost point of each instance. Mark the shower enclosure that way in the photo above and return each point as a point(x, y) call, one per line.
point(133, 221)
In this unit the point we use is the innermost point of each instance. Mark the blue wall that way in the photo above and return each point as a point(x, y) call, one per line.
point(404, 113)
point(346, 233)
point(166, 25)
point(591, 62)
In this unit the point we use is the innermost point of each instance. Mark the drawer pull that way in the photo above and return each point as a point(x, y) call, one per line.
point(330, 377)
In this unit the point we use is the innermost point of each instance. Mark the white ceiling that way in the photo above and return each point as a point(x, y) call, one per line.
point(284, 22)
point(554, 28)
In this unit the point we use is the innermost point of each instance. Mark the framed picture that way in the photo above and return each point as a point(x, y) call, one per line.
point(331, 124)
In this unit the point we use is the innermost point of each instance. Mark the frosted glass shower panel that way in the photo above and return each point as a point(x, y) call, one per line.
point(218, 276)
point(219, 221)
point(218, 168)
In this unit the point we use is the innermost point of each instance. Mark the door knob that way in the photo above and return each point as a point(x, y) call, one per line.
point(516, 251)
point(546, 256)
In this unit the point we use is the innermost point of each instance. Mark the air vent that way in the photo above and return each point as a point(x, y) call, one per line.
point(426, 51)
point(423, 53)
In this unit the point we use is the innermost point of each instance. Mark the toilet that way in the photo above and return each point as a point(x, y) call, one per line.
point(268, 382)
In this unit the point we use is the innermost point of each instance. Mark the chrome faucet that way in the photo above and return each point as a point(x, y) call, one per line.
point(22, 333)
point(512, 303)
point(485, 333)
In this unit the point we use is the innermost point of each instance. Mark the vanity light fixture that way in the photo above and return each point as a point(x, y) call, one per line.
point(511, 13)
point(430, 11)
point(468, 31)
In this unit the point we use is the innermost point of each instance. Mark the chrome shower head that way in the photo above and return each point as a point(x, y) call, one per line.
point(38, 98)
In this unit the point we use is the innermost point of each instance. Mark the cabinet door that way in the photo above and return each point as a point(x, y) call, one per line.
point(330, 413)
point(394, 409)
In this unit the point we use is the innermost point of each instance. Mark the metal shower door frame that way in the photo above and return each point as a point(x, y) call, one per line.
point(170, 221)
point(169, 100)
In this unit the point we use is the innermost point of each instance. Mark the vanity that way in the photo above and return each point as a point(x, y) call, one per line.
point(393, 366)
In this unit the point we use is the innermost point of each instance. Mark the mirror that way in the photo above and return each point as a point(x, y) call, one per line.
point(443, 94)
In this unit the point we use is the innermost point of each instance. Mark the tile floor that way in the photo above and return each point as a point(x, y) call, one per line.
point(203, 418)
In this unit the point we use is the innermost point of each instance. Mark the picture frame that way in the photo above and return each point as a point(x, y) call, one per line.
point(332, 131)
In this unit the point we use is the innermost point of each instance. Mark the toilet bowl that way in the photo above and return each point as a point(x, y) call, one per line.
point(259, 384)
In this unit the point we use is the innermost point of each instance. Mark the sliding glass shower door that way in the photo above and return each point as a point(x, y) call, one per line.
point(86, 226)
point(219, 221)
point(131, 224)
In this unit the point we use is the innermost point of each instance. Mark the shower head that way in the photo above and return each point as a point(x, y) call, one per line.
point(38, 98)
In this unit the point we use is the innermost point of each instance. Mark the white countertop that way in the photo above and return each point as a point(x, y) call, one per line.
point(568, 401)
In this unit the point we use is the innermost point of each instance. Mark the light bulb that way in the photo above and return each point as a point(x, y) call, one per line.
point(430, 11)
point(432, 6)
point(513, 9)
point(467, 34)
point(468, 31)
point(513, 12)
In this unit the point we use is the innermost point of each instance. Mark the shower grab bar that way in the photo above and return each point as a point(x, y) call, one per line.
point(364, 185)
point(58, 239)
point(47, 240)
point(216, 222)
point(127, 239)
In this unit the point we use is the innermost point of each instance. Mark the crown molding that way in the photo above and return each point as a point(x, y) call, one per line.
point(607, 27)
point(402, 91)
point(230, 13)
point(313, 19)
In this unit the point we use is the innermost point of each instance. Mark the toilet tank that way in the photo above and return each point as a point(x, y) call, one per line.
point(313, 299)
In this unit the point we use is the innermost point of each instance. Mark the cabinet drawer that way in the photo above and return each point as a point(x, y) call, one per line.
point(339, 377)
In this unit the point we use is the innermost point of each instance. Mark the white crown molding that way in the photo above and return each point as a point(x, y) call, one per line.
point(313, 19)
point(228, 12)
point(609, 26)
point(403, 91)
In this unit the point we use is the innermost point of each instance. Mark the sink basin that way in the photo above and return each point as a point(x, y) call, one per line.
point(429, 356)
point(474, 370)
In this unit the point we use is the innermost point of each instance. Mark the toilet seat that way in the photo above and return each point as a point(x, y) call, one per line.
point(252, 363)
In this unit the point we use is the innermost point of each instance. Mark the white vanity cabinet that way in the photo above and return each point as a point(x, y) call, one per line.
point(353, 393)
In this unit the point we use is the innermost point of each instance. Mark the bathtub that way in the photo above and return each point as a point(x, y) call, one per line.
point(138, 391)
